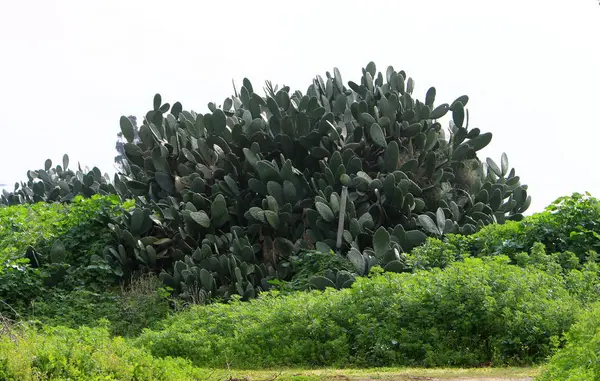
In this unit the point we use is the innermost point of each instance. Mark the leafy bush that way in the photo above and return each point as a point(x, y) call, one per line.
point(578, 360)
point(582, 280)
point(569, 224)
point(435, 253)
point(294, 330)
point(19, 285)
point(310, 264)
point(85, 354)
point(585, 283)
point(568, 230)
point(44, 245)
point(72, 308)
point(81, 225)
point(469, 313)
point(141, 304)
point(64, 241)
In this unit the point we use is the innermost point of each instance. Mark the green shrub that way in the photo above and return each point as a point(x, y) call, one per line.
point(28, 233)
point(298, 329)
point(579, 360)
point(85, 354)
point(24, 225)
point(472, 312)
point(19, 284)
point(466, 314)
point(311, 263)
point(141, 304)
point(73, 309)
point(585, 283)
point(434, 254)
point(80, 225)
point(582, 279)
point(569, 224)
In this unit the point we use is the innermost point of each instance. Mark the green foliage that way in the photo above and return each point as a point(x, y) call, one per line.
point(85, 354)
point(45, 245)
point(142, 304)
point(39, 225)
point(299, 329)
point(310, 264)
point(570, 224)
point(526, 247)
point(435, 253)
point(19, 284)
point(585, 283)
point(139, 305)
point(578, 360)
point(288, 192)
point(469, 313)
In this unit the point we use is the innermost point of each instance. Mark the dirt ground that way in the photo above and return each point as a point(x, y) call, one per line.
point(390, 374)
point(417, 378)
point(480, 379)
point(421, 378)
point(424, 378)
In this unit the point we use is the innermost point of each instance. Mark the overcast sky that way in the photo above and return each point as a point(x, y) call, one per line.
point(70, 69)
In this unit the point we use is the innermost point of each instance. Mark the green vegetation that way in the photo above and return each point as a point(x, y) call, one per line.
point(81, 226)
point(470, 313)
point(49, 246)
point(84, 355)
point(51, 268)
point(341, 228)
point(579, 359)
point(91, 354)
point(451, 309)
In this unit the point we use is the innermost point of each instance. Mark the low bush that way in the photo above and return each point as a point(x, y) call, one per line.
point(314, 263)
point(569, 224)
point(85, 354)
point(565, 237)
point(579, 360)
point(19, 285)
point(293, 330)
point(81, 225)
point(29, 273)
point(472, 312)
point(141, 304)
point(435, 253)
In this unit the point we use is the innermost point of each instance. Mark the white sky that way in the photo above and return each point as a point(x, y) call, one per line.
point(70, 69)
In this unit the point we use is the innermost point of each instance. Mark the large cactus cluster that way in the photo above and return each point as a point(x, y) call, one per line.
point(364, 169)
point(229, 195)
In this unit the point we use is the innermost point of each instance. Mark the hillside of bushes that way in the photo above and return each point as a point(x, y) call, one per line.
point(343, 227)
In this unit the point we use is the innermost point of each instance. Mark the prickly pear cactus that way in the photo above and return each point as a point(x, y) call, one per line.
point(240, 188)
point(58, 184)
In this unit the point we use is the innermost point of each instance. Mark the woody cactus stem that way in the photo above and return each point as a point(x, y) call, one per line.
point(340, 231)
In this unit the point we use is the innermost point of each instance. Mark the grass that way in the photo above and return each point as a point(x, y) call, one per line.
point(396, 374)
